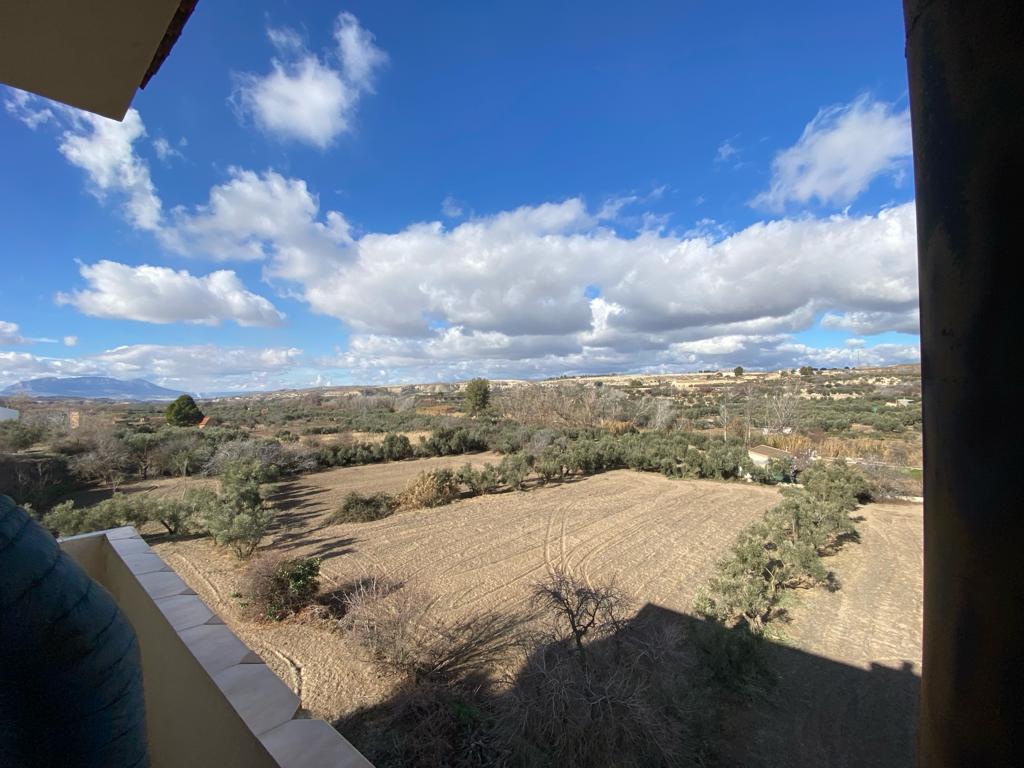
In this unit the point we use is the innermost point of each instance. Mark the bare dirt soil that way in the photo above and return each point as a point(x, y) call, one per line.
point(657, 538)
point(848, 676)
point(847, 669)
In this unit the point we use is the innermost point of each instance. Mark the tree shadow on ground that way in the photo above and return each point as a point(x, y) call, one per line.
point(293, 498)
point(295, 511)
point(324, 547)
point(739, 701)
point(91, 495)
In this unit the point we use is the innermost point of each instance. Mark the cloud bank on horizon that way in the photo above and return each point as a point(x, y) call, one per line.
point(568, 285)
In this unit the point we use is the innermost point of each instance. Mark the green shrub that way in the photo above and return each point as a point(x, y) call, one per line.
point(480, 481)
point(802, 518)
point(264, 459)
point(726, 461)
point(17, 436)
point(552, 464)
point(396, 447)
point(193, 508)
point(514, 470)
point(774, 472)
point(364, 507)
point(65, 519)
point(746, 584)
point(276, 587)
point(784, 550)
point(447, 441)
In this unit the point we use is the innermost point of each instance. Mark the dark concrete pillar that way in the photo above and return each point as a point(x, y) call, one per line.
point(967, 105)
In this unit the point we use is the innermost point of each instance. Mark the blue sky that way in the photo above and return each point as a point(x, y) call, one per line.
point(382, 192)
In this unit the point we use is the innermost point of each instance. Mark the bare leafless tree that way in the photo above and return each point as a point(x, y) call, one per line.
point(580, 611)
point(781, 410)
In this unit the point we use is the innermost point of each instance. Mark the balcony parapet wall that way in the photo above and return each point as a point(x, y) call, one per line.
point(210, 700)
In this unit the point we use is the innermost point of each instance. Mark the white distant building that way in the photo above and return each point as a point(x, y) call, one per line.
point(8, 414)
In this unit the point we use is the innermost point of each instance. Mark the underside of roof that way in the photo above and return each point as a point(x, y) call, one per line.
point(91, 55)
point(171, 36)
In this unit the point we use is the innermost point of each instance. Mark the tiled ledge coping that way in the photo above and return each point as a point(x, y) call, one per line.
point(210, 701)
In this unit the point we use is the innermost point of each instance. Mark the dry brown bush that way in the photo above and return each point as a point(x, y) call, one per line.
point(629, 706)
point(579, 611)
point(430, 489)
point(445, 673)
point(486, 690)
point(598, 690)
point(893, 451)
point(402, 633)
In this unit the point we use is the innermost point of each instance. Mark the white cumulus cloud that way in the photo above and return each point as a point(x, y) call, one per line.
point(306, 97)
point(516, 288)
point(27, 108)
point(867, 323)
point(264, 216)
point(9, 334)
point(841, 151)
point(105, 150)
point(360, 56)
point(451, 207)
point(165, 150)
point(162, 295)
point(541, 289)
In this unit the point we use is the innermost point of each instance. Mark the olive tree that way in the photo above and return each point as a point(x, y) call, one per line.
point(477, 396)
point(239, 519)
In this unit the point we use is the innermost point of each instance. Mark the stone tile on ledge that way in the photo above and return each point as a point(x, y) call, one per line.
point(163, 584)
point(308, 743)
point(145, 562)
point(258, 695)
point(125, 532)
point(216, 647)
point(184, 611)
point(130, 546)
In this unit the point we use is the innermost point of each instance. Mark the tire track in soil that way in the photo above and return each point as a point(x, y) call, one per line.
point(655, 532)
point(294, 668)
point(643, 512)
point(565, 507)
point(211, 588)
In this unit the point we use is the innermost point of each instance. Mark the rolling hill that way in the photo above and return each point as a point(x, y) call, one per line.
point(91, 388)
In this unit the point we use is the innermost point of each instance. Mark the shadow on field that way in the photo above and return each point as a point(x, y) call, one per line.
point(730, 699)
point(293, 515)
point(292, 498)
point(324, 547)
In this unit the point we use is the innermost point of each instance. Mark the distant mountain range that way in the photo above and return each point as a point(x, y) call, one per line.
point(91, 387)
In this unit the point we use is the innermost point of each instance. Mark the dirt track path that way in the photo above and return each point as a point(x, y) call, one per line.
point(849, 677)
